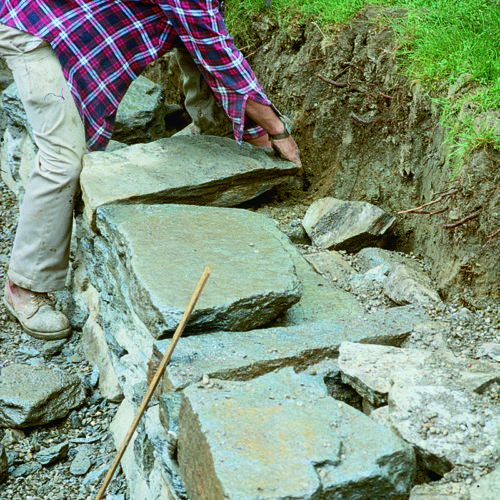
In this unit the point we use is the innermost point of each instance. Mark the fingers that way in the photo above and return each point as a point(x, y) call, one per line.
point(288, 149)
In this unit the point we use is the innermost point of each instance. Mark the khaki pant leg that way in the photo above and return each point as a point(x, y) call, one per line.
point(40, 255)
point(200, 102)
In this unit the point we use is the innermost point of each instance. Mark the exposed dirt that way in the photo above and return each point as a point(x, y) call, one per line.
point(374, 136)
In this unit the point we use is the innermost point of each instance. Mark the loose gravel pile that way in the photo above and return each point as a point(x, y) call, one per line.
point(469, 325)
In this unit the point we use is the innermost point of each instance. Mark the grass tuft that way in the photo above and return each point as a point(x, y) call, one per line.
point(440, 40)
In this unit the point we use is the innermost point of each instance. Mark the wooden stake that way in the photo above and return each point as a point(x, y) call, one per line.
point(154, 382)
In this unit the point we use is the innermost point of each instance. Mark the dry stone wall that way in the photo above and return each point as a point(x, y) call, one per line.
point(255, 401)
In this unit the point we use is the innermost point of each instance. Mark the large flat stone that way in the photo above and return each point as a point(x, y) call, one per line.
point(281, 437)
point(321, 299)
point(251, 354)
point(163, 250)
point(201, 170)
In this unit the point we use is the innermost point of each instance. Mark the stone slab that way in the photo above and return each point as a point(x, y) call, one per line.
point(201, 170)
point(281, 437)
point(321, 299)
point(164, 249)
point(251, 354)
point(372, 370)
point(447, 427)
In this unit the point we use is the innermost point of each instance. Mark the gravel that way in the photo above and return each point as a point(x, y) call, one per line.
point(82, 444)
point(86, 448)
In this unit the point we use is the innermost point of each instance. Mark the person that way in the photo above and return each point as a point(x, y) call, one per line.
point(72, 62)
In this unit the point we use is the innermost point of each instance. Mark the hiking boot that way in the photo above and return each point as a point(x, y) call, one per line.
point(36, 313)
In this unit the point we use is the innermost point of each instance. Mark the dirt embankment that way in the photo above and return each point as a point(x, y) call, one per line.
point(367, 133)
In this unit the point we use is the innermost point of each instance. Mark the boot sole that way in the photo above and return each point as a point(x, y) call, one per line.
point(61, 334)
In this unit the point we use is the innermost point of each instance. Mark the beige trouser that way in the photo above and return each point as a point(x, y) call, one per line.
point(40, 256)
point(199, 100)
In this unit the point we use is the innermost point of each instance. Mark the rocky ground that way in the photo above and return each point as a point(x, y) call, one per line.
point(323, 115)
point(471, 328)
point(79, 473)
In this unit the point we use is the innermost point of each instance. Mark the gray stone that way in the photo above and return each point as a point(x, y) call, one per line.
point(37, 395)
point(137, 485)
point(345, 225)
point(96, 476)
point(14, 109)
point(82, 463)
point(321, 299)
point(372, 370)
point(17, 156)
point(18, 147)
point(487, 488)
point(330, 265)
point(4, 464)
point(440, 491)
point(98, 352)
point(164, 249)
point(280, 437)
point(29, 351)
point(26, 469)
point(12, 436)
point(202, 170)
point(5, 80)
point(409, 286)
point(447, 427)
point(141, 114)
point(488, 120)
point(48, 456)
point(52, 347)
point(368, 258)
point(251, 354)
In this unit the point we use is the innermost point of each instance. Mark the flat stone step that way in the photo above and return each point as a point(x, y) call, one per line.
point(164, 249)
point(280, 437)
point(201, 170)
point(251, 354)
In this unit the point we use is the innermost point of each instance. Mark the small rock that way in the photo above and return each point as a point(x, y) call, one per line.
point(25, 469)
point(12, 436)
point(53, 347)
point(81, 463)
point(48, 456)
point(29, 351)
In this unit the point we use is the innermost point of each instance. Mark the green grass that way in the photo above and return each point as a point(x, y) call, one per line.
point(439, 39)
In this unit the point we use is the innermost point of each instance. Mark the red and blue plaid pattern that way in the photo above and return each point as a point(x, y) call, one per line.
point(103, 45)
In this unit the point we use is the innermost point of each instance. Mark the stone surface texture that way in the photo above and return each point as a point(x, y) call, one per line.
point(345, 225)
point(31, 395)
point(200, 170)
point(281, 436)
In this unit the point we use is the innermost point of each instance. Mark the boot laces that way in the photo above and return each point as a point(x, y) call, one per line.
point(41, 299)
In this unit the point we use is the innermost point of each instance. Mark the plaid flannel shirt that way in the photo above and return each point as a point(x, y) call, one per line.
point(103, 45)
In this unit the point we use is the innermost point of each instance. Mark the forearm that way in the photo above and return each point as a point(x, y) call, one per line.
point(265, 116)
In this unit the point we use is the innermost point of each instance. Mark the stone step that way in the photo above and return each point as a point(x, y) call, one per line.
point(251, 354)
point(201, 170)
point(280, 436)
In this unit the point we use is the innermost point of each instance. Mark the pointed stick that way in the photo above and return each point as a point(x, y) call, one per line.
point(154, 382)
